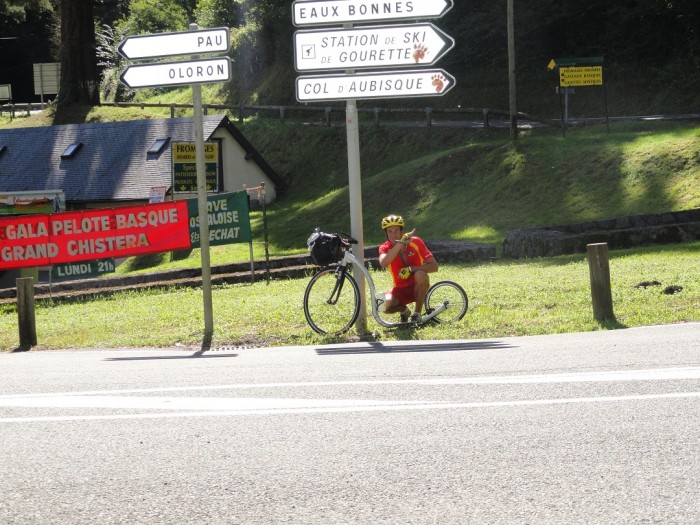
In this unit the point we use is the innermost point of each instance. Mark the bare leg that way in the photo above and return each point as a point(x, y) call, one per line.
point(421, 283)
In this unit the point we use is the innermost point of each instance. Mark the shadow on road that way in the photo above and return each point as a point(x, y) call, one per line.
point(378, 347)
point(196, 355)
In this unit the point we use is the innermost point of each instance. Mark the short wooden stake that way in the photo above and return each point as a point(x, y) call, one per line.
point(25, 312)
point(601, 295)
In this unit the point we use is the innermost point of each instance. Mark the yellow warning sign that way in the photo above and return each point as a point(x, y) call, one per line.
point(581, 76)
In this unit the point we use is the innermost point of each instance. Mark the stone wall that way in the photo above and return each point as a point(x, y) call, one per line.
point(623, 232)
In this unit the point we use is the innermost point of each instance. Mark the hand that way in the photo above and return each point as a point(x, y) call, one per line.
point(406, 237)
point(405, 272)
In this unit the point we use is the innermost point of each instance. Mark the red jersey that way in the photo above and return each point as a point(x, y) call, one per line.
point(416, 253)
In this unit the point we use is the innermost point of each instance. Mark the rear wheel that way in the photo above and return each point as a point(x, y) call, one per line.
point(452, 296)
point(332, 301)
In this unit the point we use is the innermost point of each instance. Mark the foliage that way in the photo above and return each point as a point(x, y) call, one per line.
point(219, 13)
point(147, 16)
point(112, 63)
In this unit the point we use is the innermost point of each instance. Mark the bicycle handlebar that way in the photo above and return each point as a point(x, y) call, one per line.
point(347, 238)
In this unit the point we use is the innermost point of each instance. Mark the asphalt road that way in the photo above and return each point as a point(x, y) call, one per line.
point(592, 428)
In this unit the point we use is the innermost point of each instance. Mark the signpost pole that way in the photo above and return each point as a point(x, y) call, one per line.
point(511, 72)
point(355, 190)
point(203, 209)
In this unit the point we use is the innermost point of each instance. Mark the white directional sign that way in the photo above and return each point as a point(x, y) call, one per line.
point(178, 43)
point(328, 12)
point(370, 47)
point(177, 73)
point(384, 84)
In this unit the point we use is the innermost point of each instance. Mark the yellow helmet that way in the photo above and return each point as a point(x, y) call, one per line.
point(392, 220)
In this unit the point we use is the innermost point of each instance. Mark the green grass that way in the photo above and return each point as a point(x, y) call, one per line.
point(506, 298)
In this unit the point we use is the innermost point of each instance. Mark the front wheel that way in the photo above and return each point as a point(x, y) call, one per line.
point(452, 296)
point(332, 302)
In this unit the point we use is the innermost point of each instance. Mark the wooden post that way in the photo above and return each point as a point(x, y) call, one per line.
point(599, 268)
point(25, 312)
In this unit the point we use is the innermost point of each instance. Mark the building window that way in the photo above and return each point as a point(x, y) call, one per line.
point(3, 149)
point(71, 150)
point(158, 145)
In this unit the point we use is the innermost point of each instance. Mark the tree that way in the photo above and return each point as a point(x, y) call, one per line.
point(148, 16)
point(218, 13)
point(79, 79)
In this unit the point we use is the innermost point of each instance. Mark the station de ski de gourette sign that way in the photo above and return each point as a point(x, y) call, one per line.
point(390, 51)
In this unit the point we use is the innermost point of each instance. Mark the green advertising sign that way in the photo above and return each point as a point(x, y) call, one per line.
point(81, 270)
point(229, 220)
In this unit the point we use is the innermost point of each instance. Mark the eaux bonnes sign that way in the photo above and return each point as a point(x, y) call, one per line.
point(370, 47)
point(329, 12)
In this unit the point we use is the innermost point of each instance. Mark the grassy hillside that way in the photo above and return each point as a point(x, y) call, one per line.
point(475, 186)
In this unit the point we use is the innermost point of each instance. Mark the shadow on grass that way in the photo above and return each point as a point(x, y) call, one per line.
point(611, 324)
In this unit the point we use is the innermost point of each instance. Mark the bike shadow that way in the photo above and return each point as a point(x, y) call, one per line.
point(377, 347)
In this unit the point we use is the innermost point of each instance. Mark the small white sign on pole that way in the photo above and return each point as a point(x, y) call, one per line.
point(159, 45)
point(177, 73)
point(382, 84)
point(329, 12)
point(370, 47)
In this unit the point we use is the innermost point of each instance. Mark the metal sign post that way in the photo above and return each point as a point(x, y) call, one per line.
point(355, 191)
point(203, 211)
point(193, 72)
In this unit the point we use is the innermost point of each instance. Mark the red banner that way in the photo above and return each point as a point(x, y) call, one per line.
point(42, 240)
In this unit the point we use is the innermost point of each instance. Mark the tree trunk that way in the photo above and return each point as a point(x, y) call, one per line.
point(79, 80)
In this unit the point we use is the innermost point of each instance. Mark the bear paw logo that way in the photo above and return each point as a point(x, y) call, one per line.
point(419, 52)
point(439, 82)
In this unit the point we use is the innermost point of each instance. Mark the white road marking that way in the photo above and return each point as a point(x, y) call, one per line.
point(352, 406)
point(171, 407)
point(656, 374)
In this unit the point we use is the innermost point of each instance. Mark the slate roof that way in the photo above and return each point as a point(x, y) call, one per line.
point(113, 163)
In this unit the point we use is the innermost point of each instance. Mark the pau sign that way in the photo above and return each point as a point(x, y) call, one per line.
point(160, 45)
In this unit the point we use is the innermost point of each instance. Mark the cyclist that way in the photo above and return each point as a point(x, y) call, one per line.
point(409, 262)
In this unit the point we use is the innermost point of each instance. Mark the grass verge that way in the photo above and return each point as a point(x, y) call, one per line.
point(506, 298)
